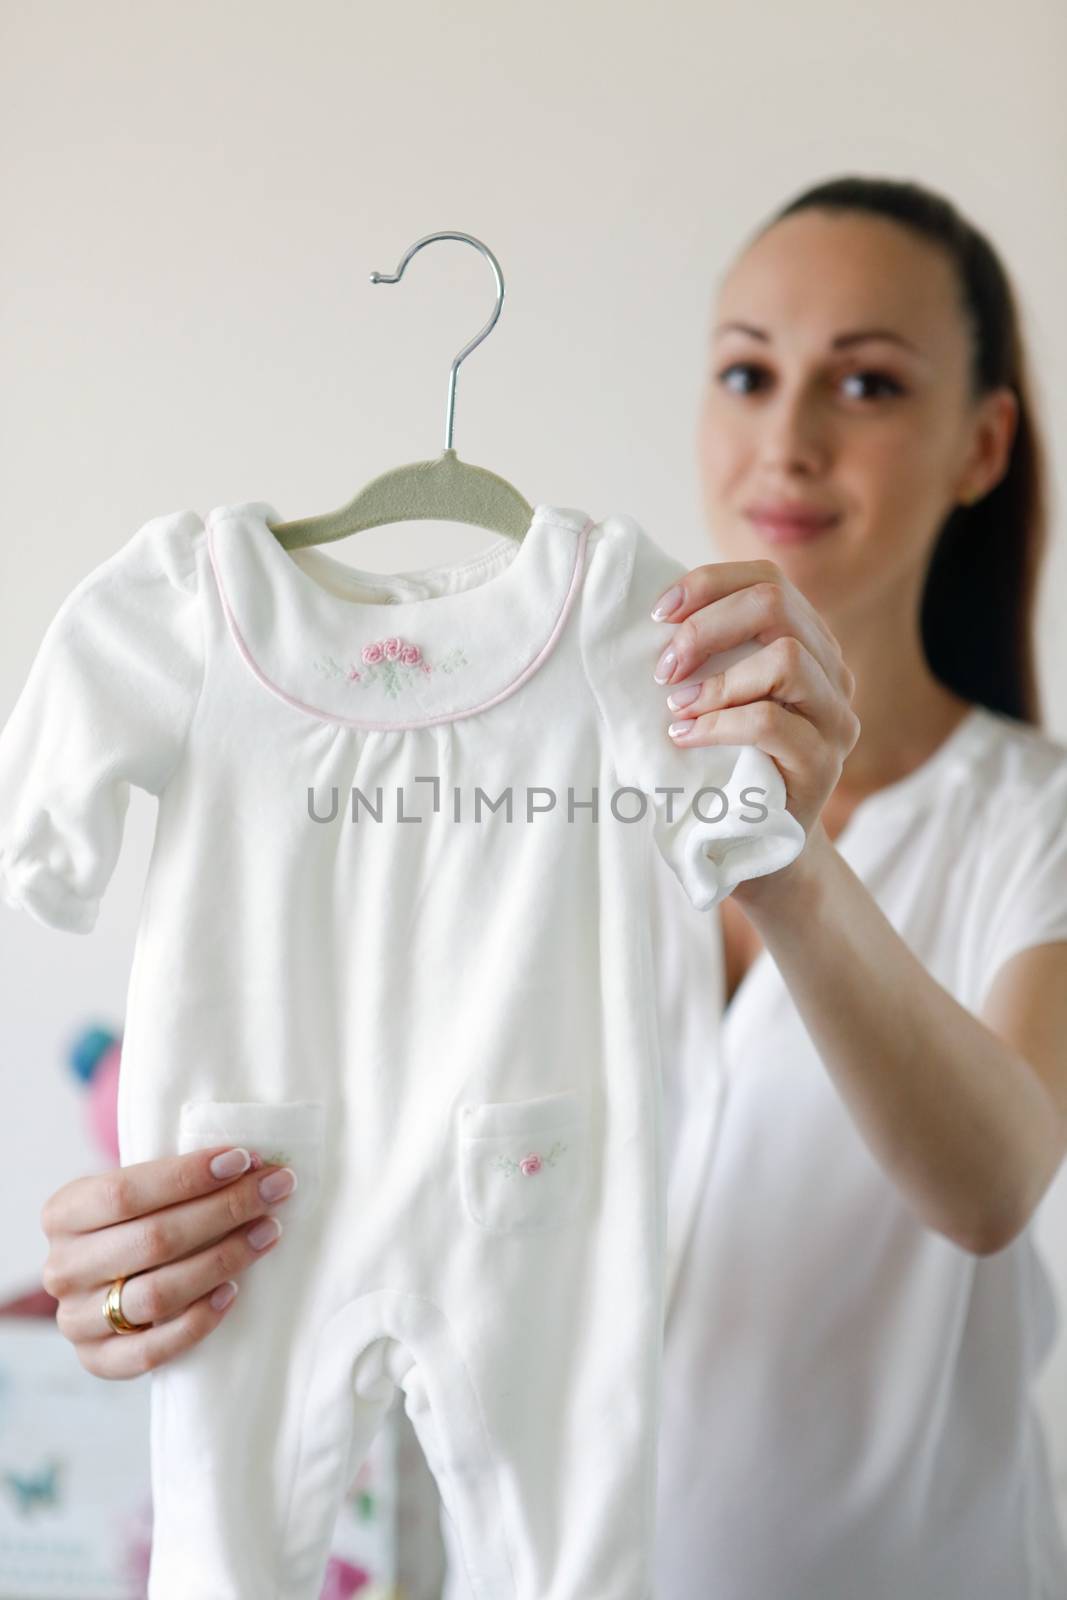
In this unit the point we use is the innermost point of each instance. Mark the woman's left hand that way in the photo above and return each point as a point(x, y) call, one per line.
point(792, 698)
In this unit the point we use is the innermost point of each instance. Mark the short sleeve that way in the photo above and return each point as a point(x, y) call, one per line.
point(1028, 901)
point(712, 841)
point(106, 704)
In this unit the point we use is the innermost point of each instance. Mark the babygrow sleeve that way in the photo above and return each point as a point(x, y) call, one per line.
point(106, 704)
point(711, 840)
point(1028, 903)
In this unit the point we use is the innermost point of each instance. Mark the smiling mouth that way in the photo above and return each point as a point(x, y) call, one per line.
point(781, 528)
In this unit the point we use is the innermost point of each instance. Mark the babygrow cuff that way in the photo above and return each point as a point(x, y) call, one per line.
point(29, 884)
point(718, 854)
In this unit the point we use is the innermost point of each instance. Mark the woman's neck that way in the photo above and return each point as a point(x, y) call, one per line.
point(905, 712)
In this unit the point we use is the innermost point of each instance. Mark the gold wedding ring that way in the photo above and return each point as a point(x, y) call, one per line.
point(112, 1309)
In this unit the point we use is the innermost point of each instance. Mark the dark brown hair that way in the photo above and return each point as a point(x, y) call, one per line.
point(980, 593)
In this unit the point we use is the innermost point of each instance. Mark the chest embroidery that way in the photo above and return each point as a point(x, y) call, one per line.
point(393, 663)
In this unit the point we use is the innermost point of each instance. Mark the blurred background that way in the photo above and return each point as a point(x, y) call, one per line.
point(195, 201)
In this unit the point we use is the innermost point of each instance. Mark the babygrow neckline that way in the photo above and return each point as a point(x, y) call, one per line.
point(476, 631)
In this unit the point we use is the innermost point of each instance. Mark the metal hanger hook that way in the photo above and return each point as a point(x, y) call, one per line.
point(395, 277)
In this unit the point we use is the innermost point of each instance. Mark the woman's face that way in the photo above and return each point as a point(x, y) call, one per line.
point(837, 386)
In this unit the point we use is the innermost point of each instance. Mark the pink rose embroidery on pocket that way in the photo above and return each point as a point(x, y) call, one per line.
point(531, 1164)
point(393, 663)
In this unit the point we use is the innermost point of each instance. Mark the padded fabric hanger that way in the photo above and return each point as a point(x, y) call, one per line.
point(445, 488)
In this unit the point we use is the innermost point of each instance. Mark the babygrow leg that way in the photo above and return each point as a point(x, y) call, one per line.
point(372, 1345)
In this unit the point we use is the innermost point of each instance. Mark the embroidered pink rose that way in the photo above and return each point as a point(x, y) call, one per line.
point(394, 664)
point(531, 1164)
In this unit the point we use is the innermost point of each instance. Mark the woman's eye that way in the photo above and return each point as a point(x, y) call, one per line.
point(744, 367)
point(889, 384)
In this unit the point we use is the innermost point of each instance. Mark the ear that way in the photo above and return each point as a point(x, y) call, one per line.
point(995, 423)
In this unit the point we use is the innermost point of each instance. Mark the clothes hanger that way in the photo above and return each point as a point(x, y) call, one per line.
point(447, 487)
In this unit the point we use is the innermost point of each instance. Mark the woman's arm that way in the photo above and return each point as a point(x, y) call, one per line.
point(968, 1116)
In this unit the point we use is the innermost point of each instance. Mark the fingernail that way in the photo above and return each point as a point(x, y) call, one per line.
point(683, 697)
point(665, 665)
point(230, 1163)
point(265, 1232)
point(668, 603)
point(276, 1185)
point(221, 1297)
point(677, 729)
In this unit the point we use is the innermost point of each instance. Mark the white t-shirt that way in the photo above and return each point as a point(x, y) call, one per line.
point(847, 1395)
point(439, 1008)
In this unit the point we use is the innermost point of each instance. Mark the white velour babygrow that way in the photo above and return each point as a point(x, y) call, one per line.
point(395, 930)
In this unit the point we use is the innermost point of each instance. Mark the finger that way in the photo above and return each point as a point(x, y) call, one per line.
point(129, 1355)
point(785, 671)
point(788, 738)
point(165, 1292)
point(714, 580)
point(103, 1198)
point(710, 581)
point(81, 1262)
point(764, 612)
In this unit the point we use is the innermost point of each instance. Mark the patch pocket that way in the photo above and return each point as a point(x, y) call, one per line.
point(286, 1132)
point(522, 1163)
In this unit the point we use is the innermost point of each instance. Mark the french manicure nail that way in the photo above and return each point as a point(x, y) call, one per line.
point(668, 603)
point(276, 1185)
point(265, 1232)
point(683, 697)
point(221, 1297)
point(677, 729)
point(665, 665)
point(230, 1163)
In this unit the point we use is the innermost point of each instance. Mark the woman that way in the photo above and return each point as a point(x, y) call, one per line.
point(861, 1311)
point(858, 1311)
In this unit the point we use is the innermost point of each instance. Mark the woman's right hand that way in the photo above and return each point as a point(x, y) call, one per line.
point(176, 1231)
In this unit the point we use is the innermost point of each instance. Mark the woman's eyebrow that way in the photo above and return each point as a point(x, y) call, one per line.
point(840, 341)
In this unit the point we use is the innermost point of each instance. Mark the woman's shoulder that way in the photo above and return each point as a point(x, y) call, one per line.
point(1014, 761)
point(1013, 853)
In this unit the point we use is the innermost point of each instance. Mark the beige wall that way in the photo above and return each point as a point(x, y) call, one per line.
point(194, 200)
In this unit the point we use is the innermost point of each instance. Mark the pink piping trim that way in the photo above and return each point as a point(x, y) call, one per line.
point(425, 722)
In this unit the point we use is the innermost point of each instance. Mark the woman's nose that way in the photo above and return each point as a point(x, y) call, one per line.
point(794, 436)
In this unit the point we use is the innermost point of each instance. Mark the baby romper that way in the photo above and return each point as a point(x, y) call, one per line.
point(395, 931)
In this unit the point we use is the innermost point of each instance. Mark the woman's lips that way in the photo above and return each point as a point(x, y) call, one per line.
point(780, 527)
